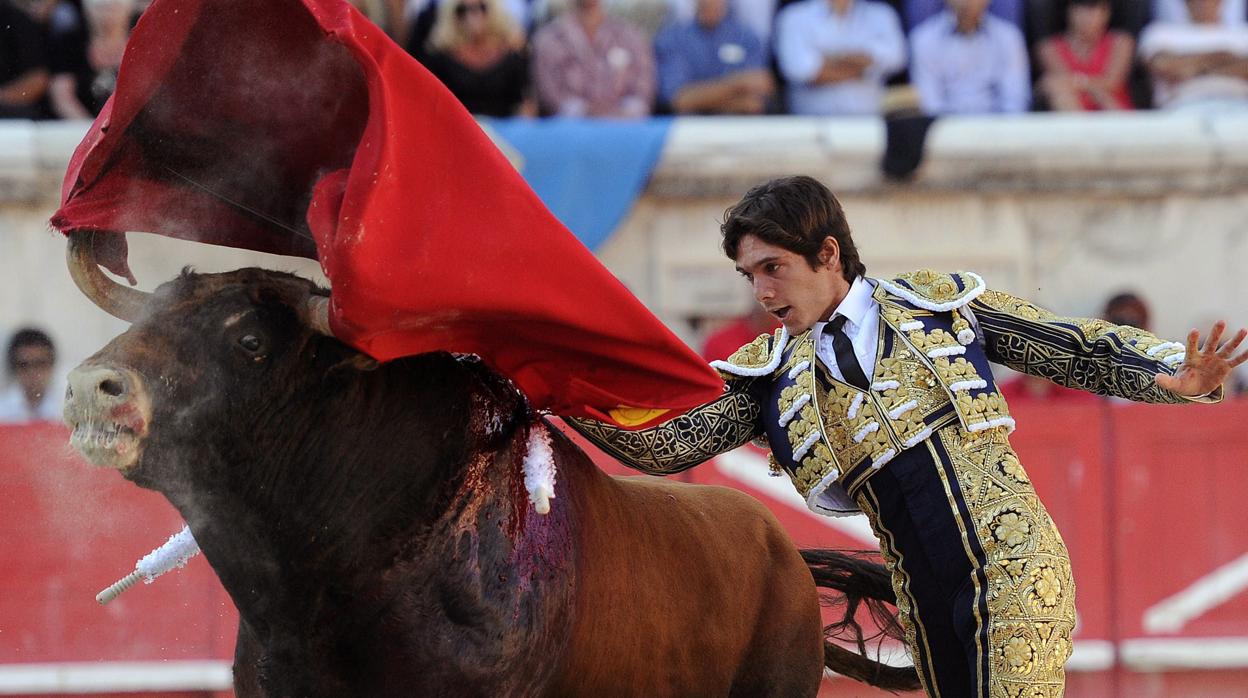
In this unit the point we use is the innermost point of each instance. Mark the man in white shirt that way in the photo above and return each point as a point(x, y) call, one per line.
point(836, 54)
point(30, 398)
point(1202, 63)
point(876, 395)
point(966, 61)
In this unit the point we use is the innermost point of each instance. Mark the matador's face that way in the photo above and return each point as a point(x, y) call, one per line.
point(787, 287)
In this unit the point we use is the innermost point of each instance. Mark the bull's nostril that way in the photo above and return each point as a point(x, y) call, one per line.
point(112, 387)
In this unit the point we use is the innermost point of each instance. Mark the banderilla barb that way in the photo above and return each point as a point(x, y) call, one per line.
point(180, 547)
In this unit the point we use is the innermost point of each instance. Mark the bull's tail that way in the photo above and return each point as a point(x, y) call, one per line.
point(859, 582)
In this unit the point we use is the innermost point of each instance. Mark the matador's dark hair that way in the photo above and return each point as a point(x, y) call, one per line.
point(795, 213)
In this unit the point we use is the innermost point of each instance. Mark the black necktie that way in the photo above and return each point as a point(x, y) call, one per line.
point(845, 358)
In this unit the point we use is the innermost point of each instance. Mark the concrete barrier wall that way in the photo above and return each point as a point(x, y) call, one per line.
point(1063, 209)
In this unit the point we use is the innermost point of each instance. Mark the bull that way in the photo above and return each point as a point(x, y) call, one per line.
point(371, 525)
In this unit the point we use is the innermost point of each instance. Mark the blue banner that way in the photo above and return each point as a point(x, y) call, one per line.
point(587, 172)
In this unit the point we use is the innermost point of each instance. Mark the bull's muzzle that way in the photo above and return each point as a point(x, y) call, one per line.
point(109, 411)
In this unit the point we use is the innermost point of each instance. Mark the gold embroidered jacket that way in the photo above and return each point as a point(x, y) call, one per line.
point(932, 370)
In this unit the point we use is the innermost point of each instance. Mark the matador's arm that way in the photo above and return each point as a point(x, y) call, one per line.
point(685, 441)
point(1081, 353)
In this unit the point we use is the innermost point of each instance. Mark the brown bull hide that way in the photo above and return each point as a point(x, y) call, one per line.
point(373, 530)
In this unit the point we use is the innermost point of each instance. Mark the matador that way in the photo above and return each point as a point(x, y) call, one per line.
point(876, 396)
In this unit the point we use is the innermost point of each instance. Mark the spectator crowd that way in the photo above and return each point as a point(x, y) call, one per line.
point(632, 58)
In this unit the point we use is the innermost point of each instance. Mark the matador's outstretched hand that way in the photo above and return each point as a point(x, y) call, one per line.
point(1203, 370)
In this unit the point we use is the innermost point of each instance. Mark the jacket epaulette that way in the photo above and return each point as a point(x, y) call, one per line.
point(758, 358)
point(936, 291)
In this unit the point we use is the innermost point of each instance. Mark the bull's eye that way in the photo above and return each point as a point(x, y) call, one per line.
point(250, 342)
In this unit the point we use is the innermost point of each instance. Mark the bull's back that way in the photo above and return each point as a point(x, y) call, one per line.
point(686, 590)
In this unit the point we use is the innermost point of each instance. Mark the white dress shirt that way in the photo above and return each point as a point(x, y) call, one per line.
point(862, 326)
point(807, 32)
point(15, 410)
point(1187, 39)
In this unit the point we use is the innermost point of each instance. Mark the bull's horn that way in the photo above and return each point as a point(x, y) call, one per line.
point(318, 314)
point(119, 301)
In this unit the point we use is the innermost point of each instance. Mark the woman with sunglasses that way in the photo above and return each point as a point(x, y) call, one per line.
point(478, 52)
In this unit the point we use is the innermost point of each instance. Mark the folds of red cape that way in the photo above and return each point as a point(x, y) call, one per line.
point(297, 127)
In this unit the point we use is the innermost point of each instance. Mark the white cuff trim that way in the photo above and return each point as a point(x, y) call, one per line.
point(867, 429)
point(1164, 346)
point(1174, 359)
point(790, 413)
point(968, 385)
point(967, 296)
point(910, 326)
point(855, 405)
point(798, 369)
point(903, 408)
point(946, 351)
point(881, 386)
point(776, 353)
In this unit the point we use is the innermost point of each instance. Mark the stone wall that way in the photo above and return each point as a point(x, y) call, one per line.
point(1063, 209)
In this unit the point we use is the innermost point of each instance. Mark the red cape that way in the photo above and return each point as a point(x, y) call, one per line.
point(297, 127)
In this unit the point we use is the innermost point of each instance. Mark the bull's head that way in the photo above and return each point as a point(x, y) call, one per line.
point(196, 339)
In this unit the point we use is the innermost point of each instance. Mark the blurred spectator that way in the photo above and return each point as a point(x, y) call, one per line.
point(1233, 11)
point(721, 343)
point(1237, 386)
point(1202, 63)
point(756, 15)
point(836, 54)
point(23, 63)
point(916, 12)
point(1044, 18)
point(30, 398)
point(1087, 67)
point(477, 51)
point(84, 68)
point(414, 20)
point(965, 61)
point(586, 63)
point(712, 65)
point(1127, 309)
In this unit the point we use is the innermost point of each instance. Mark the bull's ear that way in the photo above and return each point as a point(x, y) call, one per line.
point(333, 355)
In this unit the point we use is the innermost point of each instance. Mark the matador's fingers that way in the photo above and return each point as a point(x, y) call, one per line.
point(1229, 348)
point(1239, 359)
point(1191, 356)
point(1215, 336)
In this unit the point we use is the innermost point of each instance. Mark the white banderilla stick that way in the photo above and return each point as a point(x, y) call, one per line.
point(180, 547)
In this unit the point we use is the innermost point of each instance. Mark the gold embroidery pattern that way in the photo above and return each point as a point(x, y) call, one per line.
point(1031, 593)
point(756, 354)
point(682, 442)
point(982, 411)
point(840, 430)
point(915, 385)
point(1030, 590)
point(1081, 353)
point(936, 286)
point(817, 462)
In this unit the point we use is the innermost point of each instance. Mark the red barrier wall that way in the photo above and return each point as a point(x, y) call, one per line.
point(1149, 499)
